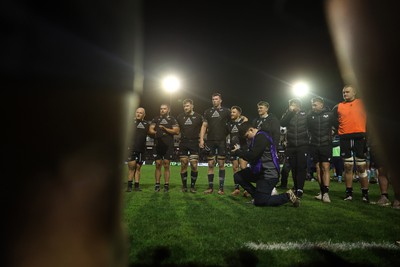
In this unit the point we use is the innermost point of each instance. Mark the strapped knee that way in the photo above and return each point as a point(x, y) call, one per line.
point(360, 161)
point(193, 157)
point(221, 157)
point(348, 161)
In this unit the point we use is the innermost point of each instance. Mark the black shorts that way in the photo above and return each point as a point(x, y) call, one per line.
point(189, 147)
point(353, 147)
point(321, 153)
point(164, 150)
point(135, 156)
point(217, 148)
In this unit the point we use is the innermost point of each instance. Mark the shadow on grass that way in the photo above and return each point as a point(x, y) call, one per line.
point(160, 256)
point(328, 258)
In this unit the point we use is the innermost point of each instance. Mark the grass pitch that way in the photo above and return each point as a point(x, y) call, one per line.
point(193, 229)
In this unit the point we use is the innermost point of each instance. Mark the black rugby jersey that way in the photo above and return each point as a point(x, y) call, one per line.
point(235, 138)
point(190, 125)
point(141, 128)
point(166, 121)
point(270, 125)
point(217, 120)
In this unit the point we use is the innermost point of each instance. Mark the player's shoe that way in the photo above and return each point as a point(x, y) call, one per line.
point(396, 204)
point(325, 198)
point(274, 192)
point(383, 201)
point(319, 196)
point(209, 191)
point(246, 194)
point(236, 192)
point(221, 191)
point(348, 198)
point(293, 198)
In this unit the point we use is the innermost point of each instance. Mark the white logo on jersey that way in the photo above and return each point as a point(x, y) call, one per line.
point(140, 125)
point(188, 122)
point(215, 114)
point(163, 121)
point(234, 129)
point(326, 116)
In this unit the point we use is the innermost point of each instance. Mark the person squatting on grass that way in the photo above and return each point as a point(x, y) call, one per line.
point(263, 170)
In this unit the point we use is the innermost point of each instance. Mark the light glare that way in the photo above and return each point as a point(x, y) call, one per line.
point(171, 84)
point(300, 89)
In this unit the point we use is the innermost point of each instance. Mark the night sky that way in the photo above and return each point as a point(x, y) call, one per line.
point(246, 50)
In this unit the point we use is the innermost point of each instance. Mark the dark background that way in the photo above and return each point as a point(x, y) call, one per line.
point(246, 50)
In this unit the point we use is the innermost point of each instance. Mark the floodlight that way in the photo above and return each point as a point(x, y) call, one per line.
point(300, 89)
point(171, 84)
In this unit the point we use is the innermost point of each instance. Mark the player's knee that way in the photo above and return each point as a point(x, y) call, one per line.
point(348, 168)
point(166, 164)
point(158, 164)
point(348, 164)
point(363, 174)
point(184, 163)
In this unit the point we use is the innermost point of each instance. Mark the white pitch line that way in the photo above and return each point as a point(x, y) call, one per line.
point(307, 245)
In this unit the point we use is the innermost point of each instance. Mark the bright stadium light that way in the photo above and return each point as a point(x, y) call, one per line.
point(300, 89)
point(171, 84)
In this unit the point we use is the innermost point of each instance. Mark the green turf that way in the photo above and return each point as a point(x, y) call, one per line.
point(186, 229)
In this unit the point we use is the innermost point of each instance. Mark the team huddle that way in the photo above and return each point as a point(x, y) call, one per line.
point(253, 147)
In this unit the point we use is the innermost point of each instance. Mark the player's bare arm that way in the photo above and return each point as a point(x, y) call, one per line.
point(202, 133)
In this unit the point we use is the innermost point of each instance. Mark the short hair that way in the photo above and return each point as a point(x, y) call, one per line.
point(263, 103)
point(216, 94)
point(187, 100)
point(295, 101)
point(349, 85)
point(317, 99)
point(237, 108)
point(244, 127)
point(144, 111)
point(164, 104)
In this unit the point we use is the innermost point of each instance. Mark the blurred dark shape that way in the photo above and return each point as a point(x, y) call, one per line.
point(368, 54)
point(68, 73)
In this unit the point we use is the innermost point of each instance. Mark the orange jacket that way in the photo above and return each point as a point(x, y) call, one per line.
point(352, 117)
